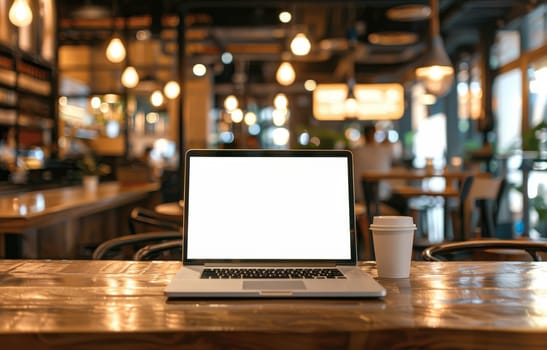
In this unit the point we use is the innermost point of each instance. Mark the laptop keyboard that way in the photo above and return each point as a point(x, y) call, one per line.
point(273, 273)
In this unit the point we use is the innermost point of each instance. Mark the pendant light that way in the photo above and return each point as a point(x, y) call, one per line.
point(230, 103)
point(20, 13)
point(156, 98)
point(115, 51)
point(350, 104)
point(130, 77)
point(436, 71)
point(280, 101)
point(285, 74)
point(300, 45)
point(171, 90)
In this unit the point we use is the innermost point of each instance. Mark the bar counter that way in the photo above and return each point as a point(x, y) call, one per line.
point(120, 305)
point(65, 212)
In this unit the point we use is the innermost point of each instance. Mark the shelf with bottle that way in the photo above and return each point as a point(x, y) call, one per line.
point(34, 78)
point(8, 75)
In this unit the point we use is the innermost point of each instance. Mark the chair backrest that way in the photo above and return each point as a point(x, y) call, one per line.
point(483, 199)
point(148, 220)
point(464, 189)
point(168, 250)
point(125, 247)
point(487, 249)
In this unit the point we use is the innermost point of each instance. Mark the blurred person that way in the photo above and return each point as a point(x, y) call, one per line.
point(372, 155)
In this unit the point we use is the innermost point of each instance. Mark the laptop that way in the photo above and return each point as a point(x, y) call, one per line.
point(270, 223)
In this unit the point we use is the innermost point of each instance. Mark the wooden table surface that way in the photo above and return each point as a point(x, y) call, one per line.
point(416, 174)
point(29, 209)
point(66, 304)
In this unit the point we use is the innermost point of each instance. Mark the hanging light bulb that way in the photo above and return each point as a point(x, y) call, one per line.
point(350, 104)
point(156, 98)
point(280, 101)
point(171, 90)
point(236, 115)
point(285, 74)
point(350, 107)
point(300, 45)
point(130, 77)
point(20, 13)
point(250, 118)
point(115, 52)
point(230, 103)
point(436, 71)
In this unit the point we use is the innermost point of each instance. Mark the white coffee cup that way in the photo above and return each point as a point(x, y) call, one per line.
point(393, 237)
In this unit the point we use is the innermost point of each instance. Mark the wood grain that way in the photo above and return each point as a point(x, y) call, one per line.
point(60, 304)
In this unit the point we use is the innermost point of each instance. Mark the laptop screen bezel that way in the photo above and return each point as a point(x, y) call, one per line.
point(270, 153)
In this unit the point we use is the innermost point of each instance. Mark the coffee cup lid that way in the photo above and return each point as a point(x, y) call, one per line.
point(393, 221)
point(392, 227)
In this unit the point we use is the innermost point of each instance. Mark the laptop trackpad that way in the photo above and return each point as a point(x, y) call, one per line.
point(274, 285)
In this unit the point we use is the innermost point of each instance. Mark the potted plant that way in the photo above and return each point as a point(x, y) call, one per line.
point(91, 170)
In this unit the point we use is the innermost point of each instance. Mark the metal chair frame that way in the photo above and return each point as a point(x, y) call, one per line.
point(435, 252)
point(150, 251)
point(140, 215)
point(142, 239)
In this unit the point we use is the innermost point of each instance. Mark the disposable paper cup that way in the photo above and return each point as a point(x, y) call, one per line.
point(393, 237)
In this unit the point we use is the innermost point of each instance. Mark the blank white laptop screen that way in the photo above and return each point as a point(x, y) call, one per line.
point(268, 208)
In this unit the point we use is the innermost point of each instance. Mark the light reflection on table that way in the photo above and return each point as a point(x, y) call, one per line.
point(116, 304)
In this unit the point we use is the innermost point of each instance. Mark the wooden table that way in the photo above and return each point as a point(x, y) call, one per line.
point(22, 213)
point(119, 305)
point(371, 178)
point(370, 182)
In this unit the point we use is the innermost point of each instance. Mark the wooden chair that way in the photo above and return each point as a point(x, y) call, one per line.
point(125, 247)
point(147, 220)
point(480, 207)
point(488, 249)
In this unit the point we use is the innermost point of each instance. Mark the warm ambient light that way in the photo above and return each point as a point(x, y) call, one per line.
point(156, 98)
point(199, 70)
point(438, 76)
point(171, 90)
point(250, 118)
point(436, 71)
point(285, 17)
point(369, 102)
point(280, 101)
point(20, 13)
point(236, 115)
point(310, 85)
point(300, 45)
point(130, 77)
point(230, 103)
point(115, 51)
point(350, 107)
point(285, 74)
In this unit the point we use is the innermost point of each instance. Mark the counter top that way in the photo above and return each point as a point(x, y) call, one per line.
point(19, 211)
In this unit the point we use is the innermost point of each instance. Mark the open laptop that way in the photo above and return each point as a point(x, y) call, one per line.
point(270, 223)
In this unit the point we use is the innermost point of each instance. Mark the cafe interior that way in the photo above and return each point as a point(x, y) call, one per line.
point(442, 104)
point(122, 89)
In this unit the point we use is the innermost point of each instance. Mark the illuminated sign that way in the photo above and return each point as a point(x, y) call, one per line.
point(371, 102)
